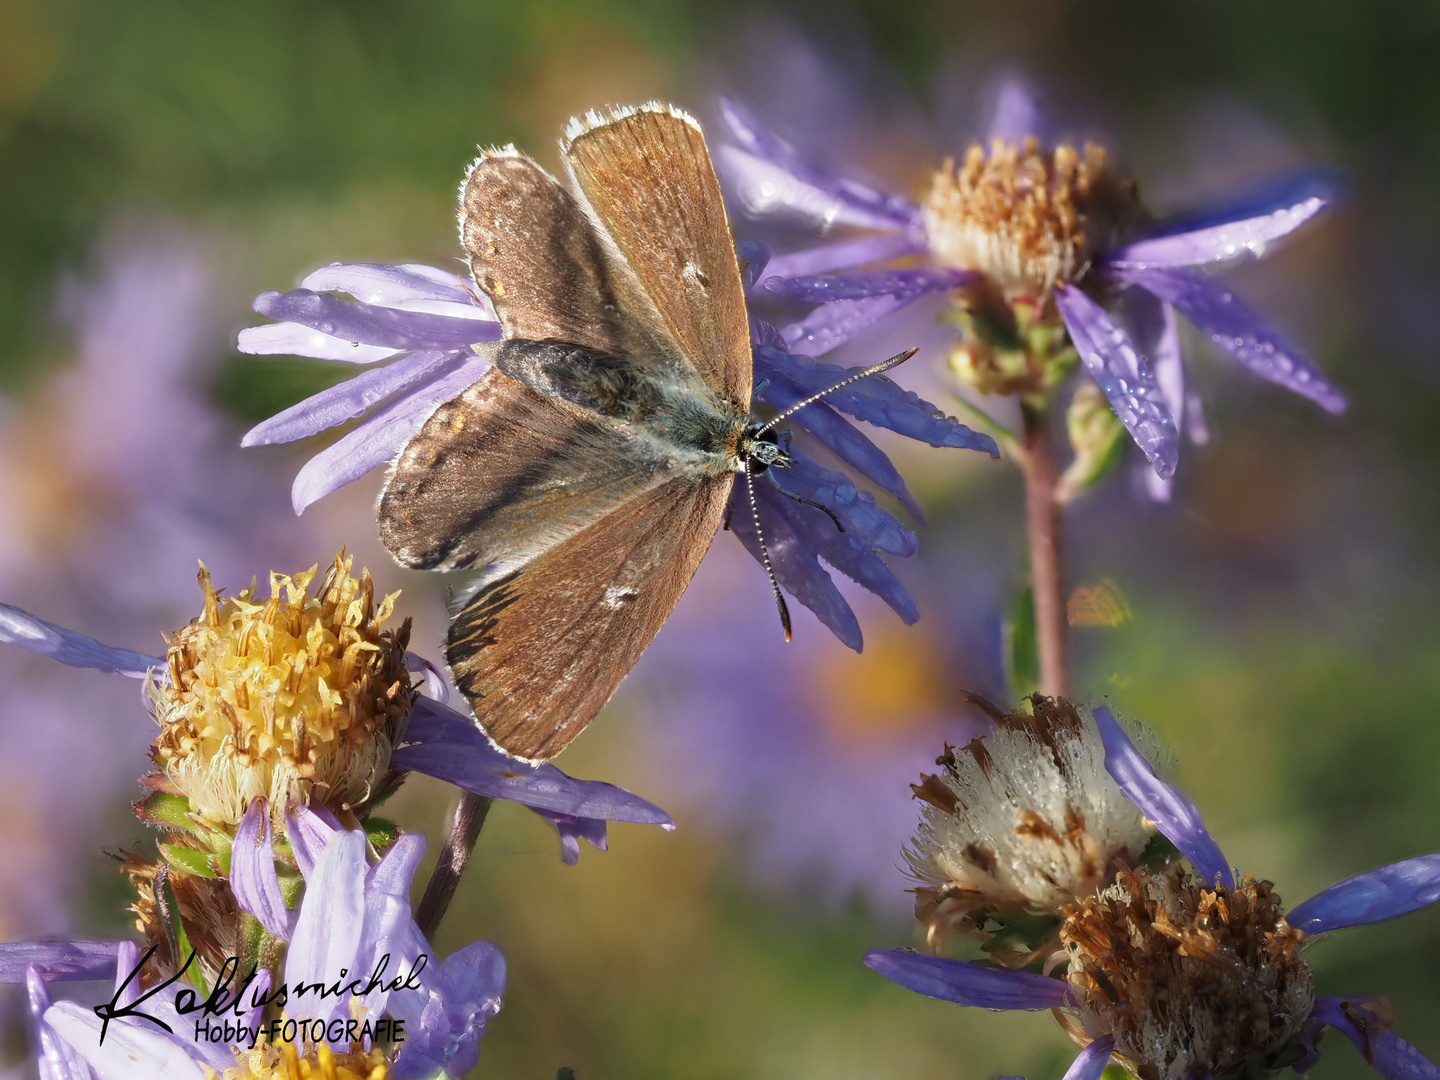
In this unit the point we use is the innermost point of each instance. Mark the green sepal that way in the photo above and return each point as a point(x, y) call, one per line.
point(1096, 435)
point(1158, 854)
point(164, 810)
point(381, 832)
point(192, 861)
point(1024, 651)
point(1117, 1072)
point(1019, 930)
point(252, 941)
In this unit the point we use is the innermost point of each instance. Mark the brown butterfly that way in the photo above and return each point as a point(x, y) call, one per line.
point(587, 472)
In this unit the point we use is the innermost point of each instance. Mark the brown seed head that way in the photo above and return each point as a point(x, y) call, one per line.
point(1187, 978)
point(1025, 216)
point(297, 697)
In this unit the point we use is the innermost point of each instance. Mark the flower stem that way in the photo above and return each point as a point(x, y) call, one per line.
point(1042, 521)
point(464, 831)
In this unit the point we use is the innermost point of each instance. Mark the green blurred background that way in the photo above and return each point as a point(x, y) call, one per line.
point(1286, 636)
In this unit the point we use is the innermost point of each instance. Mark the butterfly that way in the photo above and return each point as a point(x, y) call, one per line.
point(587, 471)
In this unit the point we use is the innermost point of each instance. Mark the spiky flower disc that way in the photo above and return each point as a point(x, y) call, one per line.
point(297, 697)
point(1027, 216)
point(1187, 978)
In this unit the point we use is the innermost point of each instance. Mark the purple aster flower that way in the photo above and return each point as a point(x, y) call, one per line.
point(114, 469)
point(418, 328)
point(1029, 234)
point(353, 918)
point(1187, 973)
point(406, 733)
point(803, 762)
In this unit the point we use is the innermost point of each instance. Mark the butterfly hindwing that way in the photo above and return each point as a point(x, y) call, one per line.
point(539, 652)
point(646, 174)
point(501, 474)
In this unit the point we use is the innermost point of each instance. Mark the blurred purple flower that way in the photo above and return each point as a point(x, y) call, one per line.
point(114, 472)
point(1386, 893)
point(351, 916)
point(438, 742)
point(421, 323)
point(805, 758)
point(1159, 272)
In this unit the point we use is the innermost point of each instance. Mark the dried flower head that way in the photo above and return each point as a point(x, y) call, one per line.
point(297, 697)
point(1187, 977)
point(1027, 216)
point(1024, 818)
point(168, 904)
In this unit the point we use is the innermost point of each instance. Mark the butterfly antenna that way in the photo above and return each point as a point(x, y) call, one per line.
point(884, 365)
point(765, 555)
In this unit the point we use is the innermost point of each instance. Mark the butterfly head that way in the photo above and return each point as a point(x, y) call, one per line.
point(759, 449)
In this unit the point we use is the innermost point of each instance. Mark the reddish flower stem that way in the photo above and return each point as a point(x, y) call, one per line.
point(1042, 521)
point(440, 890)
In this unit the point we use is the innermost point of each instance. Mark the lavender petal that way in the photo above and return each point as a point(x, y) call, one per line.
point(309, 829)
point(795, 561)
point(328, 931)
point(842, 438)
point(292, 339)
point(130, 1051)
point(1389, 1055)
point(1151, 324)
point(58, 961)
point(370, 324)
point(57, 1059)
point(1123, 376)
point(345, 401)
point(864, 284)
point(378, 438)
point(389, 285)
point(252, 871)
point(1169, 808)
point(1393, 890)
point(443, 744)
point(1090, 1063)
point(572, 830)
point(764, 189)
point(831, 325)
point(754, 256)
point(876, 400)
point(1231, 324)
point(767, 159)
point(434, 679)
point(1235, 233)
point(966, 983)
point(847, 554)
point(842, 256)
point(1018, 115)
point(18, 627)
point(863, 519)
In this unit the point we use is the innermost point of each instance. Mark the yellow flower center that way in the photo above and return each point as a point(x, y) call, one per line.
point(297, 697)
point(281, 1061)
point(1024, 216)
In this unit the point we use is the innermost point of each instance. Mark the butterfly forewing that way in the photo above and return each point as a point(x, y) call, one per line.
point(502, 473)
point(539, 652)
point(537, 256)
point(647, 175)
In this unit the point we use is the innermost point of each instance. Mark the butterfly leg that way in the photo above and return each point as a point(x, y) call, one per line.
point(808, 502)
point(765, 555)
